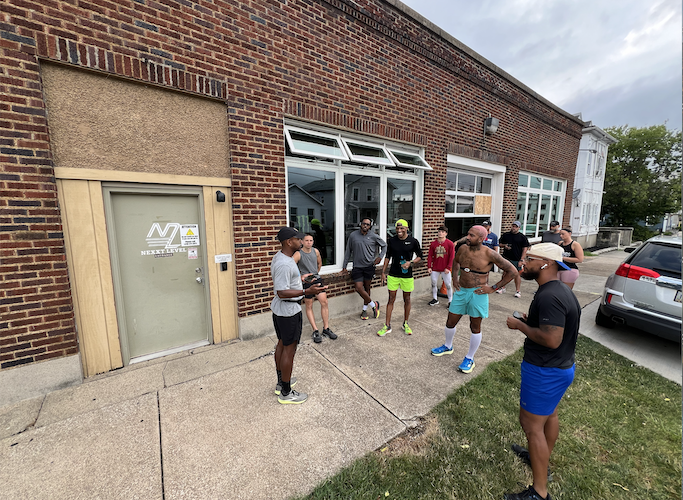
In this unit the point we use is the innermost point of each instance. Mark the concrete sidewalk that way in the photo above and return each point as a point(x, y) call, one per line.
point(206, 423)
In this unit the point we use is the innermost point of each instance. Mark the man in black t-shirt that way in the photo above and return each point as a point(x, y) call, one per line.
point(551, 328)
point(514, 246)
point(400, 250)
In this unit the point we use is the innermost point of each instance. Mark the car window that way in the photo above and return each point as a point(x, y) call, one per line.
point(665, 259)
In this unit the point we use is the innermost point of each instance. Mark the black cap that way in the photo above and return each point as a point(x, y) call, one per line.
point(289, 232)
point(486, 223)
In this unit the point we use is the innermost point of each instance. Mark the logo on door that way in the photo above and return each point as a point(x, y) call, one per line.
point(165, 238)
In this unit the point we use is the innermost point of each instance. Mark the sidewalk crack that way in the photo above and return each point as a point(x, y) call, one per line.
point(161, 451)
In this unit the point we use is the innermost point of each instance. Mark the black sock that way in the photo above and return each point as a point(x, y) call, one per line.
point(279, 376)
point(286, 388)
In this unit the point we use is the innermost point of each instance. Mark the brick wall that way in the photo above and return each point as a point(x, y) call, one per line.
point(357, 65)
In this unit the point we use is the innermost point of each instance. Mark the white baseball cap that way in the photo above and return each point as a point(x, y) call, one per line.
point(549, 251)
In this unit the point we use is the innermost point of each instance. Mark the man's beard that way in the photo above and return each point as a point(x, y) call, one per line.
point(529, 275)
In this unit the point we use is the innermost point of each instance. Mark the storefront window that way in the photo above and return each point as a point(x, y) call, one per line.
point(312, 192)
point(539, 201)
point(356, 210)
point(400, 203)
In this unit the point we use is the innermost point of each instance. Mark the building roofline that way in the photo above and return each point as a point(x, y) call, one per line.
point(599, 133)
point(479, 58)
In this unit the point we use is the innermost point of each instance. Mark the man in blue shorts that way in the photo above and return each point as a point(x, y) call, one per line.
point(551, 328)
point(474, 261)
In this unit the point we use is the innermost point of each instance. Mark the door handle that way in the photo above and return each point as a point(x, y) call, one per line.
point(199, 280)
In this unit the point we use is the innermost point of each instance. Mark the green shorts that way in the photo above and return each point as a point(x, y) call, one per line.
point(466, 302)
point(405, 284)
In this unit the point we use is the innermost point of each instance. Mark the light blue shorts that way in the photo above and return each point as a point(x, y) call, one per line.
point(542, 388)
point(466, 302)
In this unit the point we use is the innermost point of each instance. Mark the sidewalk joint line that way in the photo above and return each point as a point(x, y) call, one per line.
point(161, 451)
point(361, 388)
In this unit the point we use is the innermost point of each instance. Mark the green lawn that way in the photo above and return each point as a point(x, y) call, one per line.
point(620, 438)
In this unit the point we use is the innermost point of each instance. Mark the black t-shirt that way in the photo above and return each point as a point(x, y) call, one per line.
point(554, 304)
point(517, 241)
point(399, 251)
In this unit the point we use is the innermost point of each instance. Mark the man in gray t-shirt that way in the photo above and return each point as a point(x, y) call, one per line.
point(367, 250)
point(286, 307)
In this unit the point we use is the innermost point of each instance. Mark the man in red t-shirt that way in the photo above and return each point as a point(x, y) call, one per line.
point(440, 262)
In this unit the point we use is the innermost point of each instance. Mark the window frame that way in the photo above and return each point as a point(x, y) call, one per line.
point(541, 226)
point(314, 133)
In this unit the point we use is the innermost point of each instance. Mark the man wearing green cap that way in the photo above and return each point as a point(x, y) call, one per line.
point(400, 250)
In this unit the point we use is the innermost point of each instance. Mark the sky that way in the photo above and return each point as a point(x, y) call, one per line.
point(617, 62)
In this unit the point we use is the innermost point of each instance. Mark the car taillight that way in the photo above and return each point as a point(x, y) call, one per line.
point(635, 272)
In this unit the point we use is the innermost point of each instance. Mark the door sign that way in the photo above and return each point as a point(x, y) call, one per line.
point(162, 240)
point(189, 235)
point(192, 253)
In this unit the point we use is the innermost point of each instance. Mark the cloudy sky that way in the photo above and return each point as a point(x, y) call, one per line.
point(617, 62)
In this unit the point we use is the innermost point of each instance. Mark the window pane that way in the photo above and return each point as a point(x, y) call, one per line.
point(555, 208)
point(483, 185)
point(544, 218)
point(400, 203)
point(311, 192)
point(535, 182)
point(368, 151)
point(450, 204)
point(357, 210)
point(451, 178)
point(558, 186)
point(409, 158)
point(547, 184)
point(465, 205)
point(466, 183)
point(531, 215)
point(521, 206)
point(315, 144)
point(523, 180)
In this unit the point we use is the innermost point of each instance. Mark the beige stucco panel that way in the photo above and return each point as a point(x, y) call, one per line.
point(98, 122)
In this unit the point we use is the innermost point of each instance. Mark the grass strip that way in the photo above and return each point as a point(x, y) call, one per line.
point(620, 438)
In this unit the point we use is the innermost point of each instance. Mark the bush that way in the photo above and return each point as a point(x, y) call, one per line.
point(641, 233)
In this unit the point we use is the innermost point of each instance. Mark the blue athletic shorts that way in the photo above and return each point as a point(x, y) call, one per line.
point(542, 388)
point(465, 301)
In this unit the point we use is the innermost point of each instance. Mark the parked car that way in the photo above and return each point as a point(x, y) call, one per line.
point(645, 291)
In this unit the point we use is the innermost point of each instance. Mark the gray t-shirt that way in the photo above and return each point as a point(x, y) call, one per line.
point(364, 249)
point(285, 274)
point(308, 262)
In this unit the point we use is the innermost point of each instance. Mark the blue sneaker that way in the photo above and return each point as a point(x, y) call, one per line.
point(467, 365)
point(440, 351)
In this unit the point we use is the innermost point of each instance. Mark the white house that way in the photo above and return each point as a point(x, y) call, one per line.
point(589, 181)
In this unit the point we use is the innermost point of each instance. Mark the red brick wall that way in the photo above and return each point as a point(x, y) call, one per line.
point(361, 66)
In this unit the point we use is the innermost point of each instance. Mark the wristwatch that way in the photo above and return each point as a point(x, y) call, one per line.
point(494, 286)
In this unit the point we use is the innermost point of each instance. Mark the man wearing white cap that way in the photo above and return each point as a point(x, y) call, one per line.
point(551, 328)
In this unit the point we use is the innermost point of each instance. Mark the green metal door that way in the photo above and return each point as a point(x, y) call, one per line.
point(159, 266)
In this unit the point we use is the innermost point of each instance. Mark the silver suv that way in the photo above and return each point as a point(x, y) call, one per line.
point(645, 291)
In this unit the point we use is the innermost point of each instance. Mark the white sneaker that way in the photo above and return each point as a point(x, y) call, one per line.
point(518, 294)
point(501, 290)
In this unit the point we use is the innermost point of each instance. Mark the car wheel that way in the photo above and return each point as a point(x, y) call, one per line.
point(602, 320)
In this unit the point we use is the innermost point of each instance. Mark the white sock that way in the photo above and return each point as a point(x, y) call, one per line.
point(365, 307)
point(475, 340)
point(450, 333)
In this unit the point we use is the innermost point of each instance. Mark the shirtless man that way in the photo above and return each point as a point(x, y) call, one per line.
point(471, 291)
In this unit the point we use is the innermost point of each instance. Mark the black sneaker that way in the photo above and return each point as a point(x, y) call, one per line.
point(433, 302)
point(523, 455)
point(329, 333)
point(528, 494)
point(317, 338)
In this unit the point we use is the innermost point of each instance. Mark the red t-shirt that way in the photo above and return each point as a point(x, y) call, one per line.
point(441, 255)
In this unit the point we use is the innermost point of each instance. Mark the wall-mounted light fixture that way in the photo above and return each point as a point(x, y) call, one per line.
point(220, 196)
point(490, 125)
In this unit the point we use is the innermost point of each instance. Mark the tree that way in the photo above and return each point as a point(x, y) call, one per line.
point(642, 175)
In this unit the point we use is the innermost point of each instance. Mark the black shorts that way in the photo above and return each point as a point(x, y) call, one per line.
point(363, 273)
point(288, 328)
